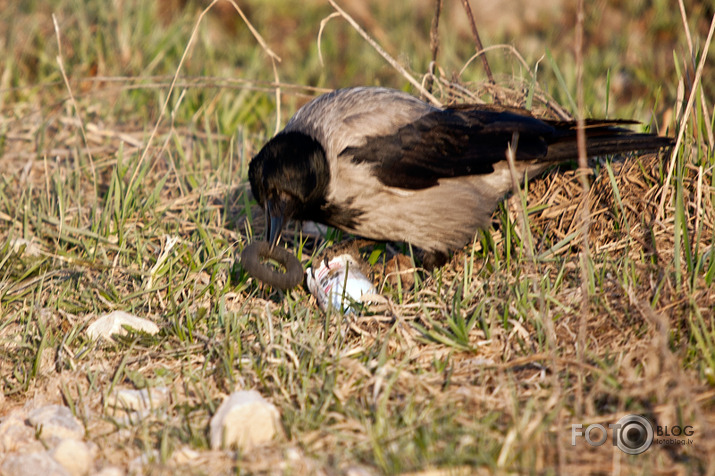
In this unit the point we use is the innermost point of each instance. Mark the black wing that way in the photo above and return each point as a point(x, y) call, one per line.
point(470, 140)
point(450, 143)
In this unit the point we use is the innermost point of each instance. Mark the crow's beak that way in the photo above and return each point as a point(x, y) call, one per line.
point(274, 219)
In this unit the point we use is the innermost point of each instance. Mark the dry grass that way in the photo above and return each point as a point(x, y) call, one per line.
point(478, 368)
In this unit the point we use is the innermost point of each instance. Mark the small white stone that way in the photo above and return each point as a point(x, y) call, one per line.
point(360, 471)
point(139, 400)
point(138, 464)
point(293, 454)
point(185, 455)
point(56, 422)
point(26, 464)
point(14, 433)
point(110, 324)
point(74, 456)
point(244, 420)
point(31, 249)
point(110, 471)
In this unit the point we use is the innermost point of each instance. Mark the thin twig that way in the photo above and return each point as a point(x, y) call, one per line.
point(277, 79)
point(706, 123)
point(434, 43)
point(401, 69)
point(523, 215)
point(586, 217)
point(273, 56)
point(198, 82)
point(513, 50)
point(684, 17)
point(175, 78)
point(684, 121)
point(253, 31)
point(164, 106)
point(698, 207)
point(706, 114)
point(477, 41)
point(60, 63)
point(324, 22)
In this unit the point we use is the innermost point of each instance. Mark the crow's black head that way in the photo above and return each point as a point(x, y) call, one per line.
point(289, 178)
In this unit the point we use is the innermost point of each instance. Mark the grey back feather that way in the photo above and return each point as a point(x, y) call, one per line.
point(346, 117)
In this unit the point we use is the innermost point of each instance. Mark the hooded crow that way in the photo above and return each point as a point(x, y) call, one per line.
point(384, 165)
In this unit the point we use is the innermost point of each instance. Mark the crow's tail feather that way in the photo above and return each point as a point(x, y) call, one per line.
point(603, 137)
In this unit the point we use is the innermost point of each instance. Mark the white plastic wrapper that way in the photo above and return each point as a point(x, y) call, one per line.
point(339, 283)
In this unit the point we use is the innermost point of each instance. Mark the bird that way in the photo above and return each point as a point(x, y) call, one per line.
point(384, 165)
